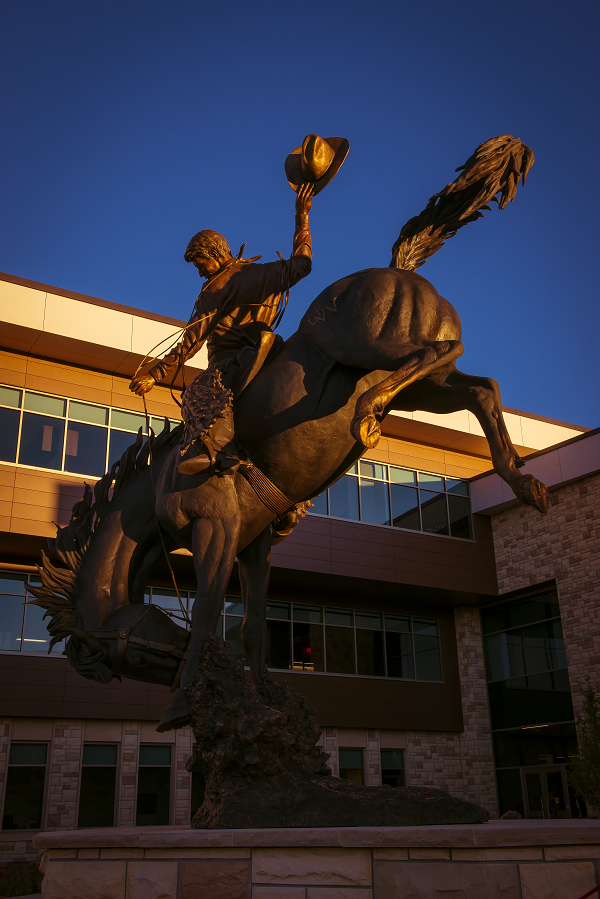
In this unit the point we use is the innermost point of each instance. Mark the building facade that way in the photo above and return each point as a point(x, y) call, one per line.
point(400, 607)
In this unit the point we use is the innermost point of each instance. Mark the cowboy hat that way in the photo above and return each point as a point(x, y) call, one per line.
point(317, 161)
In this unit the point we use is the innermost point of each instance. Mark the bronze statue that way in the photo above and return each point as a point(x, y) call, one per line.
point(305, 410)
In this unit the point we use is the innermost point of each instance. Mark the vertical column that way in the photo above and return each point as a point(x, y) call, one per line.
point(65, 767)
point(372, 760)
point(130, 748)
point(330, 745)
point(476, 750)
point(183, 779)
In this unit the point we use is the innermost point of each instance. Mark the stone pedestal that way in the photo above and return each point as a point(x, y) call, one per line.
point(498, 860)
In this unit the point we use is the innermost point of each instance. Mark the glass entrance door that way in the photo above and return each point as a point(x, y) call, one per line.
point(545, 792)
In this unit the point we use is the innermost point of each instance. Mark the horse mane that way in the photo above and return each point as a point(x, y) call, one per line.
point(59, 591)
point(495, 168)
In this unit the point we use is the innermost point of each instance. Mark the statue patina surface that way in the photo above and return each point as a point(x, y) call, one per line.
point(224, 487)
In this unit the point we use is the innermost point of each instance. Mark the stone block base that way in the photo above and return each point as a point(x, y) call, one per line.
point(498, 860)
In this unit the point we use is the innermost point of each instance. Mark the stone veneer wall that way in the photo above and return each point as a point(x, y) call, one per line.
point(462, 764)
point(562, 545)
point(501, 860)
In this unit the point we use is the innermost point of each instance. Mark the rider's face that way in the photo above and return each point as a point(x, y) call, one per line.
point(206, 266)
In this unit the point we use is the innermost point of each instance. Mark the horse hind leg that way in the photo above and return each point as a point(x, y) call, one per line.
point(372, 405)
point(254, 568)
point(481, 396)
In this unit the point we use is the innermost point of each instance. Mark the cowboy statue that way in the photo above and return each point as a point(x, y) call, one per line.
point(236, 313)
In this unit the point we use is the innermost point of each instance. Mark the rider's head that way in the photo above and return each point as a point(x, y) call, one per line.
point(208, 250)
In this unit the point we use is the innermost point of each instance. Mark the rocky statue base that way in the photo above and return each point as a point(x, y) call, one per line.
point(258, 754)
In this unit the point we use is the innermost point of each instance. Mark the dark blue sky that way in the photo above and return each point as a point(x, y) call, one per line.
point(129, 126)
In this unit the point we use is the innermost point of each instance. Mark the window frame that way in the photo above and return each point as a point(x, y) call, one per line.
point(355, 472)
point(66, 418)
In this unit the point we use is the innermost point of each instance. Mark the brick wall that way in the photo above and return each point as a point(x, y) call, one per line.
point(562, 545)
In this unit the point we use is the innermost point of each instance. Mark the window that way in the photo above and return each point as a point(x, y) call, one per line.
point(154, 785)
point(399, 497)
point(392, 767)
point(169, 602)
point(25, 786)
point(98, 784)
point(22, 625)
point(342, 641)
point(528, 682)
point(61, 434)
point(351, 765)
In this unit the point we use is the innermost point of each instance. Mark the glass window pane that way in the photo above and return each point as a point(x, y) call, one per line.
point(392, 758)
point(234, 605)
point(41, 441)
point(127, 421)
point(95, 415)
point(369, 651)
point(405, 507)
point(369, 619)
point(374, 500)
point(119, 442)
point(403, 476)
point(85, 452)
point(341, 617)
point(343, 498)
point(373, 470)
point(339, 643)
point(154, 789)
point(279, 644)
point(313, 614)
point(50, 405)
point(308, 647)
point(9, 434)
point(460, 517)
point(279, 610)
point(97, 797)
point(319, 504)
point(10, 397)
point(24, 798)
point(27, 754)
point(233, 636)
point(99, 754)
point(397, 623)
point(155, 755)
point(433, 512)
point(11, 623)
point(35, 636)
point(399, 650)
point(12, 583)
point(167, 599)
point(425, 626)
point(460, 488)
point(427, 658)
point(533, 609)
point(392, 777)
point(431, 481)
point(351, 758)
point(157, 425)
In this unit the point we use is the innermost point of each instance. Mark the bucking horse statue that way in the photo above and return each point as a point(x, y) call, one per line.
point(377, 340)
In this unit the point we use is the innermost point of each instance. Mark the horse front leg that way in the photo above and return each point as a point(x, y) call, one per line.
point(214, 546)
point(254, 566)
point(372, 405)
point(481, 396)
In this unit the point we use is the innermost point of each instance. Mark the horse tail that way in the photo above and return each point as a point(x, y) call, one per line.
point(495, 168)
point(58, 594)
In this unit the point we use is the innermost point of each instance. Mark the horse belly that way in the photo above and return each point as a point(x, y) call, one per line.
point(374, 318)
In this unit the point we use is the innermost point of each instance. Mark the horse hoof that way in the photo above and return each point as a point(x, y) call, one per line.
point(366, 430)
point(177, 715)
point(531, 491)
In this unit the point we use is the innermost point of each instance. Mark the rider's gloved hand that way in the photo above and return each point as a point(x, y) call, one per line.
point(141, 384)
